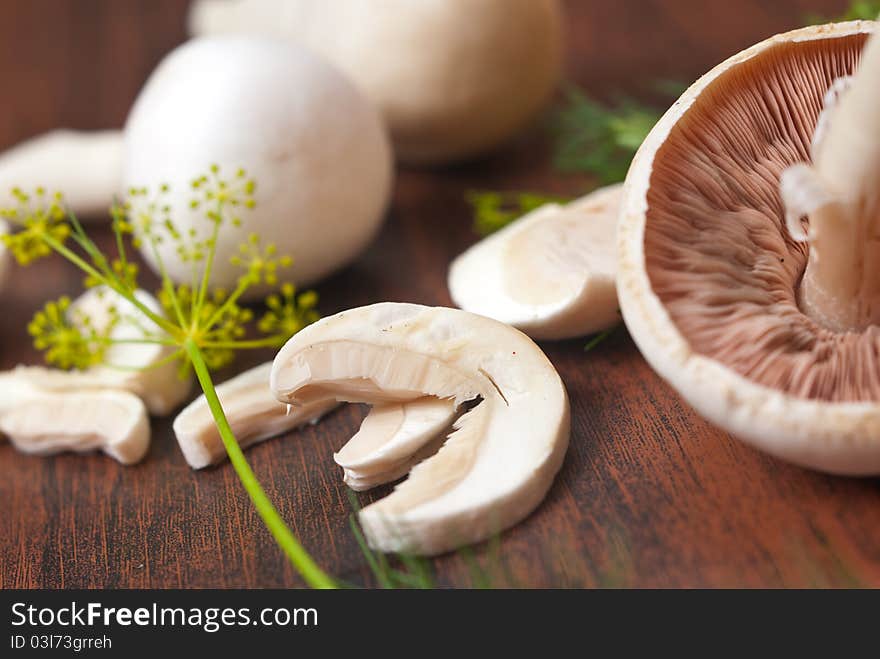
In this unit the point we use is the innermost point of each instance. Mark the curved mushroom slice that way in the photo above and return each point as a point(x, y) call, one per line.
point(85, 167)
point(253, 413)
point(44, 422)
point(709, 274)
point(502, 456)
point(551, 273)
point(383, 449)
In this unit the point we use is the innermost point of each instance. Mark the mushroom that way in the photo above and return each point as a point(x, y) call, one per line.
point(42, 421)
point(550, 273)
point(85, 167)
point(142, 369)
point(253, 413)
point(315, 146)
point(710, 277)
point(452, 79)
point(502, 455)
point(392, 439)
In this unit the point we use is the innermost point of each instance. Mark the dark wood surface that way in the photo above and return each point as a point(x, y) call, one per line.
point(649, 495)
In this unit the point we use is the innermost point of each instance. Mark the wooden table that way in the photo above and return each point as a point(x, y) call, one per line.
point(649, 495)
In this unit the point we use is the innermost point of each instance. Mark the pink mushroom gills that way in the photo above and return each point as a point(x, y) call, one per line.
point(749, 279)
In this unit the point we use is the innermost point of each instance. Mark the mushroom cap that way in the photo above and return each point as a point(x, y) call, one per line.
point(452, 79)
point(707, 272)
point(550, 273)
point(316, 147)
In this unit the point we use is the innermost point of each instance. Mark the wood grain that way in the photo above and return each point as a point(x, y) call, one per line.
point(650, 495)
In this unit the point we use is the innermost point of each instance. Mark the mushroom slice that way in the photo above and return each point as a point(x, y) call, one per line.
point(502, 455)
point(551, 273)
point(143, 369)
point(43, 422)
point(383, 448)
point(709, 276)
point(85, 167)
point(253, 413)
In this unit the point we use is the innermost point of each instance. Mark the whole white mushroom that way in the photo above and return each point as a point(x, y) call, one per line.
point(315, 146)
point(452, 78)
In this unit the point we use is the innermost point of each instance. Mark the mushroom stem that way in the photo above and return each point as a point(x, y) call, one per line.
point(841, 285)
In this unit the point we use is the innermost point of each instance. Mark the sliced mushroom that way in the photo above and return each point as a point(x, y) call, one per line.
point(709, 274)
point(551, 273)
point(253, 413)
point(500, 460)
point(85, 167)
point(391, 434)
point(142, 369)
point(44, 422)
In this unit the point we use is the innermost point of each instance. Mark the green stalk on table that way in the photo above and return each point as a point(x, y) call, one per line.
point(206, 326)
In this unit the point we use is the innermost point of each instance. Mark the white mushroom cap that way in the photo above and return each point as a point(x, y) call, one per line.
point(839, 434)
point(86, 167)
point(316, 147)
point(452, 78)
point(550, 273)
point(500, 461)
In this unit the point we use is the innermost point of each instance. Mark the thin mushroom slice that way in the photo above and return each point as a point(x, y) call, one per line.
point(502, 455)
point(360, 481)
point(44, 422)
point(253, 413)
point(391, 433)
point(551, 273)
point(86, 168)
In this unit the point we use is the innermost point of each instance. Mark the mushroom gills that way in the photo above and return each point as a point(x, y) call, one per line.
point(392, 439)
point(43, 422)
point(502, 455)
point(551, 273)
point(253, 414)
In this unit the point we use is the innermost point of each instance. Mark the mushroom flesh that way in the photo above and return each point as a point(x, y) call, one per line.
point(253, 413)
point(502, 455)
point(550, 273)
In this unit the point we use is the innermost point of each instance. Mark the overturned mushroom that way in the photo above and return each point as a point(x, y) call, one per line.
point(550, 273)
point(254, 416)
point(44, 421)
point(144, 369)
point(392, 439)
point(501, 458)
point(85, 167)
point(710, 276)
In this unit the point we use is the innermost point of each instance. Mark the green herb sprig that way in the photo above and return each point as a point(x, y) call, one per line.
point(494, 210)
point(203, 327)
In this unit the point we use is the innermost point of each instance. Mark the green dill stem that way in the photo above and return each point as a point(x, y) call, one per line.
point(89, 270)
point(166, 282)
point(314, 576)
point(243, 285)
point(209, 262)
